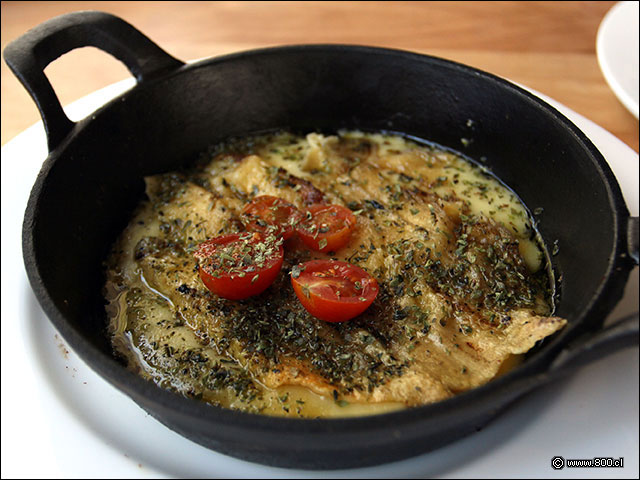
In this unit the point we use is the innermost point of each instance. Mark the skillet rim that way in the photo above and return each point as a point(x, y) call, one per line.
point(614, 279)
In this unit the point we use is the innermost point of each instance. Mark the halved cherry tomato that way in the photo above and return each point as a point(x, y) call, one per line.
point(333, 291)
point(268, 214)
point(326, 228)
point(238, 266)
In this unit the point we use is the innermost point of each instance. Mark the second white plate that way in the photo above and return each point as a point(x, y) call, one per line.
point(617, 50)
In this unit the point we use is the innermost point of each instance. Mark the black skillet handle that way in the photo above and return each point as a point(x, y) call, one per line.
point(619, 335)
point(632, 238)
point(28, 56)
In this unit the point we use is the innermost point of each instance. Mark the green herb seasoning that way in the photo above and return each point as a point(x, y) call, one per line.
point(457, 259)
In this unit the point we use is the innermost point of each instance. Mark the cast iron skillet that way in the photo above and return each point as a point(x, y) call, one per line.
point(92, 179)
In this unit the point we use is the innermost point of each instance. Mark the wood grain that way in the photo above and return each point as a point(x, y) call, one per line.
point(548, 46)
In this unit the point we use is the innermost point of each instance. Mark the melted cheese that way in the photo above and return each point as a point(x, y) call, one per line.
point(430, 226)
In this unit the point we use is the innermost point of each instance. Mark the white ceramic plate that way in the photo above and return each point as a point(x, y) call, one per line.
point(59, 419)
point(617, 49)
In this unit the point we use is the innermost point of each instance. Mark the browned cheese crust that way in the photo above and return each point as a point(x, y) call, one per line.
point(456, 297)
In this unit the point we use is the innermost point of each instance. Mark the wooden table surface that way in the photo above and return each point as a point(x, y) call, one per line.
point(548, 46)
